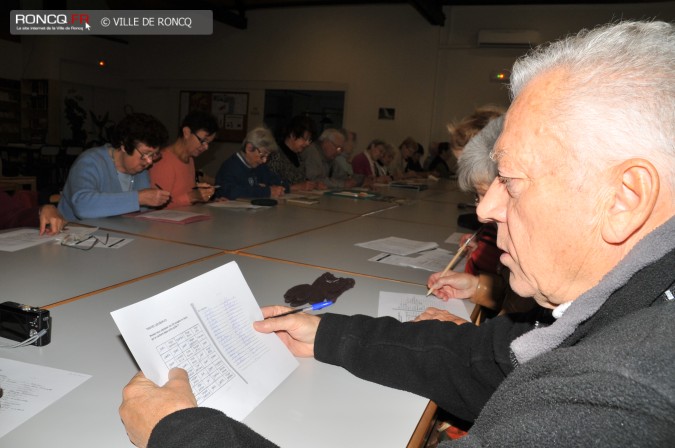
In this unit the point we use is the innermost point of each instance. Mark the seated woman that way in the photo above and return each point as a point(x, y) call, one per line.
point(287, 163)
point(399, 167)
point(112, 180)
point(414, 162)
point(175, 171)
point(245, 174)
point(366, 163)
point(19, 210)
point(444, 161)
point(485, 280)
point(383, 163)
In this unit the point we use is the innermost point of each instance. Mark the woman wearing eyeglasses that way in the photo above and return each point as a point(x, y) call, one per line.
point(113, 180)
point(175, 171)
point(287, 163)
point(246, 174)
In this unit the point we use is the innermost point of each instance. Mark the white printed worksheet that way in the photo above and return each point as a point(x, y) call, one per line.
point(29, 389)
point(205, 327)
point(406, 307)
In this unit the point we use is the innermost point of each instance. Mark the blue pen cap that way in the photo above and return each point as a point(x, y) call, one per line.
point(320, 305)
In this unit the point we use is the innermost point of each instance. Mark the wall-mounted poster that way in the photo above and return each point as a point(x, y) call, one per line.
point(229, 108)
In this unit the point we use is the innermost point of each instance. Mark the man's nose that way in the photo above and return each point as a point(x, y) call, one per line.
point(493, 205)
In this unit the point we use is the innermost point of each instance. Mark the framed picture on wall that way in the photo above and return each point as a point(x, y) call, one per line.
point(229, 108)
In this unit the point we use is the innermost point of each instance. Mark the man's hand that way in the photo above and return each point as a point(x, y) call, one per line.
point(453, 285)
point(432, 313)
point(144, 403)
point(297, 331)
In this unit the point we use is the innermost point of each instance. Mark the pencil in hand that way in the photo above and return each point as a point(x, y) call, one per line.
point(457, 256)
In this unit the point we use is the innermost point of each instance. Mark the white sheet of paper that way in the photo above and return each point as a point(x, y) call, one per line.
point(205, 326)
point(22, 239)
point(396, 260)
point(433, 260)
point(398, 246)
point(406, 307)
point(30, 388)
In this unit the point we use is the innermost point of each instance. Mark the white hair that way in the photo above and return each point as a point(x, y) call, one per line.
point(260, 137)
point(475, 165)
point(618, 100)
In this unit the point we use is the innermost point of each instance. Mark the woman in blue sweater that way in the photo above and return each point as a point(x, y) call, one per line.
point(113, 180)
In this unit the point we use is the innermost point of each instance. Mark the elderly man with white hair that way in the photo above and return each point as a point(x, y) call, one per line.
point(584, 203)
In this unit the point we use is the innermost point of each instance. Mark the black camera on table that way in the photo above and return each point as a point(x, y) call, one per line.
point(20, 322)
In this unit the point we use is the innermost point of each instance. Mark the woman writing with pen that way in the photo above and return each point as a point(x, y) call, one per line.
point(112, 180)
point(175, 171)
point(485, 280)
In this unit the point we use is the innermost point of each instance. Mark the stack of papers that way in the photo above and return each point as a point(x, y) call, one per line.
point(300, 199)
point(398, 246)
point(433, 260)
point(410, 253)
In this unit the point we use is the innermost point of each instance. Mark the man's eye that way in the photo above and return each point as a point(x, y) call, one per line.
point(504, 180)
point(508, 182)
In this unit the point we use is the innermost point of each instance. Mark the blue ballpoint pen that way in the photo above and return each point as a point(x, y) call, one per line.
point(310, 307)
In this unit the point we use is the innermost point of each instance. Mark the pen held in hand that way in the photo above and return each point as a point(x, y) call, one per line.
point(310, 307)
point(456, 257)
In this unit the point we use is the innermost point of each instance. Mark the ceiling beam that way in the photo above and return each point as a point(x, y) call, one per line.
point(221, 14)
point(432, 10)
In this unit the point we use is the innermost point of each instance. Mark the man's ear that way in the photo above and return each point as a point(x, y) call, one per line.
point(186, 132)
point(248, 148)
point(634, 190)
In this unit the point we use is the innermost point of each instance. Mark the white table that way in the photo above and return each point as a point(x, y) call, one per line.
point(229, 229)
point(353, 206)
point(333, 247)
point(452, 196)
point(424, 212)
point(49, 273)
point(318, 405)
